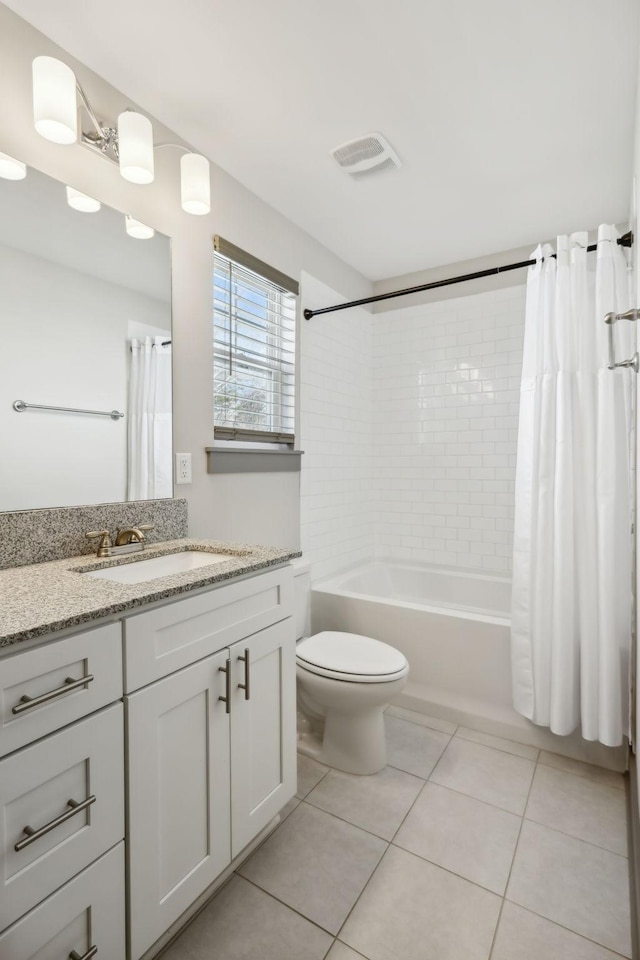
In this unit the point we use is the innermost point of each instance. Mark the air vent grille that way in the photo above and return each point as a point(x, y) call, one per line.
point(367, 154)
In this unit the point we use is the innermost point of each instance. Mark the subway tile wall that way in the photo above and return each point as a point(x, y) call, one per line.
point(336, 434)
point(446, 381)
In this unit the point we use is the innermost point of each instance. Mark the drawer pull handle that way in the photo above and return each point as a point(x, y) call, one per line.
point(227, 686)
point(91, 952)
point(27, 702)
point(246, 686)
point(32, 835)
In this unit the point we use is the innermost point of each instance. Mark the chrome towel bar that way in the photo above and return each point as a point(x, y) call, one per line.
point(610, 319)
point(20, 406)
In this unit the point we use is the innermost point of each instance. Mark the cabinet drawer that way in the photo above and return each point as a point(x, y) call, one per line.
point(168, 638)
point(37, 784)
point(41, 673)
point(86, 912)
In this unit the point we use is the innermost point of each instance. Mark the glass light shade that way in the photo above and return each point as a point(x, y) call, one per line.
point(11, 169)
point(55, 110)
point(135, 147)
point(80, 201)
point(195, 185)
point(140, 231)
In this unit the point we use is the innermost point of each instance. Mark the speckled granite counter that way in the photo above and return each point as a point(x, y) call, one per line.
point(36, 600)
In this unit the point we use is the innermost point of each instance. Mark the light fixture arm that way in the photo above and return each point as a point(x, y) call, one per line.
point(101, 138)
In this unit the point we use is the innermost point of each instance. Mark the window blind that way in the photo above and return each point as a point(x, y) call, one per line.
point(254, 355)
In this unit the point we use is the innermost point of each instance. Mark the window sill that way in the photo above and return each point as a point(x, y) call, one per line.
point(237, 460)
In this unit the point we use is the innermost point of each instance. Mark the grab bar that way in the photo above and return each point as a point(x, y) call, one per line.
point(20, 406)
point(610, 319)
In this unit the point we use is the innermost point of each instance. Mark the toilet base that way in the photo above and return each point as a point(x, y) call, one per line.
point(351, 743)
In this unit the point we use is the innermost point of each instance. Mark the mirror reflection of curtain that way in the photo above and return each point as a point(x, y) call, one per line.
point(149, 423)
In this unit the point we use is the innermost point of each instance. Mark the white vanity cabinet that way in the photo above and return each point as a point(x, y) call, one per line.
point(211, 758)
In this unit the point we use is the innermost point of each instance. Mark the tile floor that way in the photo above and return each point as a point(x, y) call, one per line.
point(465, 847)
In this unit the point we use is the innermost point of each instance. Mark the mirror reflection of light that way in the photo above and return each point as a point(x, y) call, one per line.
point(82, 202)
point(138, 230)
point(11, 169)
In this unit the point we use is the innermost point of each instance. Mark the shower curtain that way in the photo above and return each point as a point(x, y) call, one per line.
point(149, 423)
point(572, 570)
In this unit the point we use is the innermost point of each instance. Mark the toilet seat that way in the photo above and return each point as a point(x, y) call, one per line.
point(351, 658)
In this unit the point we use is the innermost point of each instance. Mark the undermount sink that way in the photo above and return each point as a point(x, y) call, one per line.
point(140, 570)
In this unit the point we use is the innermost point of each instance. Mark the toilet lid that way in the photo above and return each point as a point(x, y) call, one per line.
point(347, 655)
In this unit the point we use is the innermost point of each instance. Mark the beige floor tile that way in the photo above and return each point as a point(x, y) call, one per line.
point(413, 910)
point(468, 837)
point(244, 923)
point(585, 809)
point(377, 803)
point(413, 748)
point(486, 774)
point(340, 951)
point(524, 936)
point(422, 719)
point(573, 883)
point(289, 807)
point(507, 746)
point(587, 770)
point(316, 864)
point(310, 773)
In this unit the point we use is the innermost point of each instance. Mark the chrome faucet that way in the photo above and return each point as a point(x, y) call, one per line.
point(130, 540)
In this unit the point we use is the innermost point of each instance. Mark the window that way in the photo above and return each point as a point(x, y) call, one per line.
point(254, 315)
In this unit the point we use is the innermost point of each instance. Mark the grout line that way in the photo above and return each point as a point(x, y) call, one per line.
point(513, 860)
point(289, 907)
point(561, 926)
point(571, 836)
point(579, 776)
point(359, 826)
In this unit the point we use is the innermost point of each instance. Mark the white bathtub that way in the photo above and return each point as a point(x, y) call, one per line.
point(454, 629)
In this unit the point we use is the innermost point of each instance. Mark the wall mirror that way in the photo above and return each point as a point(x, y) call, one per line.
point(85, 324)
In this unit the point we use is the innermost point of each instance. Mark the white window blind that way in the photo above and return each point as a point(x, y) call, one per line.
point(254, 355)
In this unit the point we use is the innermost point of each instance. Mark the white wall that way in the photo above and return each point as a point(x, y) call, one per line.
point(70, 333)
point(446, 390)
point(238, 215)
point(336, 433)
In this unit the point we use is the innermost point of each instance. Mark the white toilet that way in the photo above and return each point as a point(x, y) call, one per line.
point(344, 683)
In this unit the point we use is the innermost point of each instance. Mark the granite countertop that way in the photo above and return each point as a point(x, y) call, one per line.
point(44, 597)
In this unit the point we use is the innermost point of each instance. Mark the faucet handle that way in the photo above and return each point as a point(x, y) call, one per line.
point(146, 526)
point(104, 544)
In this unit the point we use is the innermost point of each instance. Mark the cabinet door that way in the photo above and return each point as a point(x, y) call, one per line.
point(178, 795)
point(61, 806)
point(263, 729)
point(85, 913)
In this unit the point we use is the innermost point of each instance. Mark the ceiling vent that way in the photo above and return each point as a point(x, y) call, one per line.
point(368, 154)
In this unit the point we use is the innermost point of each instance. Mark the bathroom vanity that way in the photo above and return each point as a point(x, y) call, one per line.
point(147, 738)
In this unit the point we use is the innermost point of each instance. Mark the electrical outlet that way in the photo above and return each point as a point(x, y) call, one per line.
point(183, 468)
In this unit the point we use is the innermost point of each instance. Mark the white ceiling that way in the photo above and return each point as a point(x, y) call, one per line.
point(513, 118)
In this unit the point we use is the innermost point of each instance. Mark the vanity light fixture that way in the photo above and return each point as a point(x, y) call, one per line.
point(82, 202)
point(130, 143)
point(11, 169)
point(138, 230)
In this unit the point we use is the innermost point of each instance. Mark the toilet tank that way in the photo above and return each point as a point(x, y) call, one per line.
point(302, 588)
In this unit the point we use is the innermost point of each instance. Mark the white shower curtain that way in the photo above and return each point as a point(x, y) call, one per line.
point(149, 423)
point(572, 570)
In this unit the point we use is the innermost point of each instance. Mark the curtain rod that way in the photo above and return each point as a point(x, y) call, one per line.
point(625, 241)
